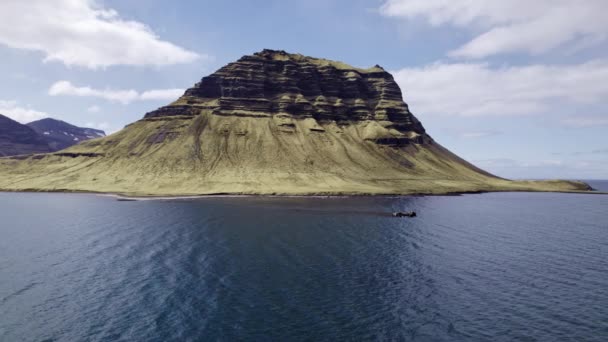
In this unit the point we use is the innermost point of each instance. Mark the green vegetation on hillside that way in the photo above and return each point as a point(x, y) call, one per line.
point(232, 155)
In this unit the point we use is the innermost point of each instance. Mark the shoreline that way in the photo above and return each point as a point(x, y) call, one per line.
point(137, 197)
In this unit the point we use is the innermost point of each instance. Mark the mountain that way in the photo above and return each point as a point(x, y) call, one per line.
point(60, 135)
point(42, 136)
point(16, 138)
point(269, 123)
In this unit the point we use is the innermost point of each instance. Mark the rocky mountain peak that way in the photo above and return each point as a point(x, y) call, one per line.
point(284, 86)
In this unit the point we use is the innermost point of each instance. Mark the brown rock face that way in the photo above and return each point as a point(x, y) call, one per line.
point(291, 86)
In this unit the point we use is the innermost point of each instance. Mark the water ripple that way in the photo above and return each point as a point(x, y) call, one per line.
point(497, 267)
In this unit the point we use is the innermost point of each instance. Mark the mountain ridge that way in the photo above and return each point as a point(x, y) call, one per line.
point(41, 136)
point(60, 134)
point(16, 138)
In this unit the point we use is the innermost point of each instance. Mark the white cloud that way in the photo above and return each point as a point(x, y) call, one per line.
point(161, 94)
point(94, 109)
point(67, 88)
point(12, 110)
point(122, 96)
point(514, 25)
point(463, 89)
point(83, 33)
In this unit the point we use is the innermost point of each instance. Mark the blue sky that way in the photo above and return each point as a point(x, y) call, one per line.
point(521, 93)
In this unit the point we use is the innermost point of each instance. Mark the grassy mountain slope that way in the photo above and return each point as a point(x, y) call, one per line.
point(212, 155)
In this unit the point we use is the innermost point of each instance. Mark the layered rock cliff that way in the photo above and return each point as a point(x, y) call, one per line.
point(287, 87)
point(269, 123)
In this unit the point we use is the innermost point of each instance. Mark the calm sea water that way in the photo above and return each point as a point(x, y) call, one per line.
point(489, 267)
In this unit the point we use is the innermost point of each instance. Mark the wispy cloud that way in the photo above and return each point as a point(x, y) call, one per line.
point(507, 162)
point(581, 153)
point(512, 26)
point(546, 168)
point(94, 109)
point(84, 33)
point(478, 89)
point(19, 113)
point(122, 96)
point(161, 94)
point(478, 134)
point(585, 121)
point(98, 125)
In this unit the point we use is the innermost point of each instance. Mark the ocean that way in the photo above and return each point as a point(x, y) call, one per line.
point(479, 267)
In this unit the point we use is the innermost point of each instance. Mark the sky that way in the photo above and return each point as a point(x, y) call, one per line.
point(518, 87)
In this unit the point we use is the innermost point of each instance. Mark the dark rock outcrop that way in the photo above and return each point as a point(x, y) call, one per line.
point(60, 135)
point(17, 139)
point(292, 86)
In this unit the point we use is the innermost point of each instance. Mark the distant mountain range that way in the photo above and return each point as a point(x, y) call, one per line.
point(16, 138)
point(60, 134)
point(42, 136)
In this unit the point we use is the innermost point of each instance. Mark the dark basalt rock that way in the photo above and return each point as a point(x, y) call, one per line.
point(76, 155)
point(172, 111)
point(271, 83)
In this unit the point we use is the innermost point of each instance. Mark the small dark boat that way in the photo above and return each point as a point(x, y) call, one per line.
point(124, 199)
point(404, 214)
